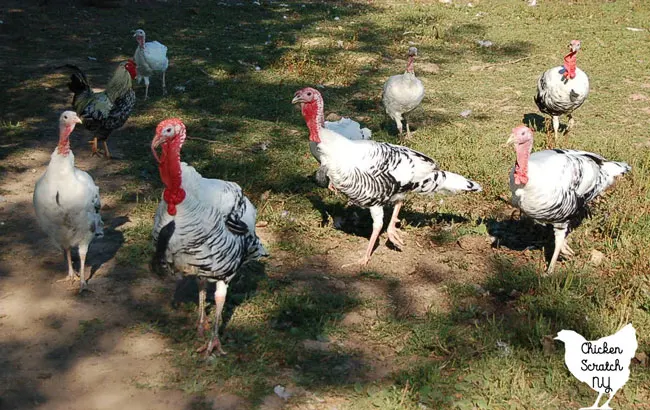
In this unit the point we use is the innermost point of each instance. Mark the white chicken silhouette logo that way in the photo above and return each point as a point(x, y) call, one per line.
point(603, 364)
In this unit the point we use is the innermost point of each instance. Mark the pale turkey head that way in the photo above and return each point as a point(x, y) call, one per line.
point(69, 119)
point(140, 37)
point(520, 135)
point(413, 51)
point(522, 138)
point(170, 133)
point(574, 46)
point(311, 106)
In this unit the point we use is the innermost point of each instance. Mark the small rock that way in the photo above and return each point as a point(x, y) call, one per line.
point(532, 3)
point(339, 285)
point(352, 319)
point(258, 68)
point(180, 88)
point(92, 58)
point(466, 113)
point(316, 345)
point(337, 18)
point(332, 117)
point(484, 43)
point(635, 29)
point(339, 43)
point(281, 392)
point(596, 257)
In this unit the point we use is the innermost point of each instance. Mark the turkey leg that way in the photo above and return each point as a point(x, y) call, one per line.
point(377, 213)
point(83, 285)
point(70, 277)
point(146, 88)
point(560, 237)
point(202, 324)
point(219, 300)
point(392, 231)
point(164, 86)
point(556, 126)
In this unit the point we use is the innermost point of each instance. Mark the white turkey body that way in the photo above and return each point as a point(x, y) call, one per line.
point(66, 201)
point(346, 127)
point(214, 228)
point(557, 96)
point(150, 57)
point(403, 93)
point(562, 182)
point(555, 186)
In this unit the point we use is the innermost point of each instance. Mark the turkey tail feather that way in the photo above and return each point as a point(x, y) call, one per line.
point(613, 168)
point(158, 261)
point(447, 182)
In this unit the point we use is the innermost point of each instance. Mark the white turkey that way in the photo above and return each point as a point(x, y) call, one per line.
point(66, 201)
point(374, 174)
point(350, 129)
point(562, 90)
point(403, 93)
point(203, 227)
point(555, 186)
point(150, 57)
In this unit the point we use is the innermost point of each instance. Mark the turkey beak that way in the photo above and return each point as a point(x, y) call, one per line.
point(511, 140)
point(78, 120)
point(157, 140)
point(296, 99)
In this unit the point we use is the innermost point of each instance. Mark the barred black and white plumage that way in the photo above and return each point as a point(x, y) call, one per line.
point(560, 92)
point(374, 174)
point(556, 186)
point(214, 231)
point(203, 227)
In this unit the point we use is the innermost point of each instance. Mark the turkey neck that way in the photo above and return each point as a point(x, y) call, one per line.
point(313, 114)
point(521, 166)
point(64, 139)
point(570, 64)
point(140, 41)
point(410, 65)
point(170, 173)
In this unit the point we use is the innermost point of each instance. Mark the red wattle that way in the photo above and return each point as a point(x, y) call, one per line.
point(310, 113)
point(570, 65)
point(521, 175)
point(170, 173)
point(64, 140)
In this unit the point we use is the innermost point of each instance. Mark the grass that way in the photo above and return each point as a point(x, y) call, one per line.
point(485, 349)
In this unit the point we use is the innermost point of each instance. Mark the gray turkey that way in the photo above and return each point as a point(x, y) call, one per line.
point(203, 227)
point(403, 93)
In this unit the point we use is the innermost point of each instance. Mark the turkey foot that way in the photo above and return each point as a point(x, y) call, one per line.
point(212, 345)
point(395, 237)
point(566, 251)
point(83, 287)
point(332, 188)
point(107, 153)
point(361, 262)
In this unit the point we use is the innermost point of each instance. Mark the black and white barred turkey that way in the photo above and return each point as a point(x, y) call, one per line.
point(203, 227)
point(374, 174)
point(555, 186)
point(562, 90)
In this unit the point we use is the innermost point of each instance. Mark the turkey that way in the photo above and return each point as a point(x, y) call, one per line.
point(203, 227)
point(66, 201)
point(562, 90)
point(150, 57)
point(374, 174)
point(403, 93)
point(349, 129)
point(555, 186)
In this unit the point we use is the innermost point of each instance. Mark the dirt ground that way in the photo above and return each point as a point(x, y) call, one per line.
point(70, 351)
